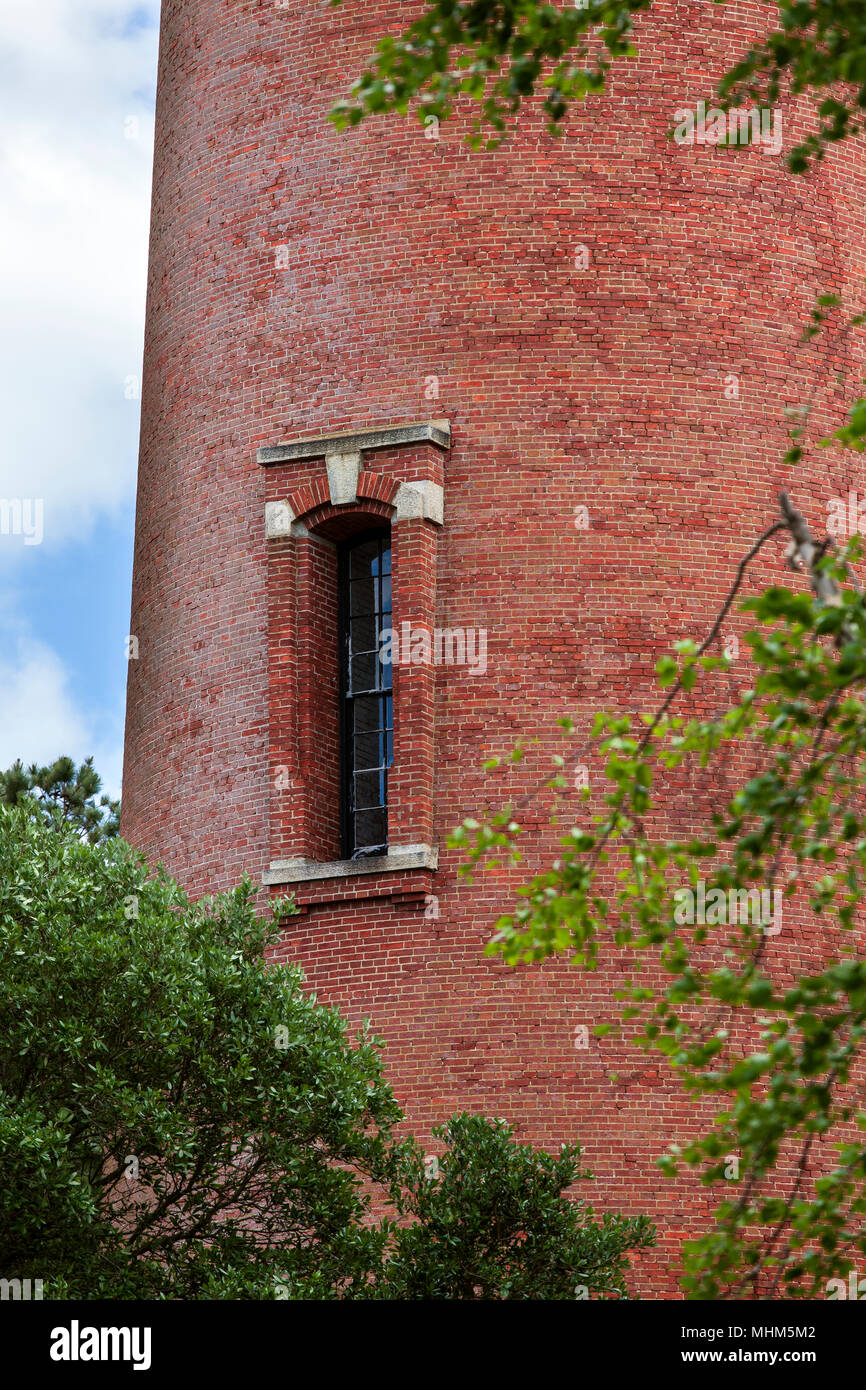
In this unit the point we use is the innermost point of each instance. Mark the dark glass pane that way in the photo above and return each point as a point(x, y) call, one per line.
point(369, 790)
point(371, 829)
point(364, 634)
point(362, 596)
point(364, 672)
point(364, 560)
point(367, 713)
point(368, 741)
point(369, 750)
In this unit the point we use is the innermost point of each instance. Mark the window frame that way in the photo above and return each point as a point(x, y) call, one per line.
point(347, 772)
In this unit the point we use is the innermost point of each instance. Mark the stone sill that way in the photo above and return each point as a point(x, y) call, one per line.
point(399, 859)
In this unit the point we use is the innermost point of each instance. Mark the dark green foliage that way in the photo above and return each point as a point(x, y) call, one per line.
point(493, 1222)
point(819, 45)
point(141, 1034)
point(794, 835)
point(179, 1121)
point(502, 52)
point(497, 52)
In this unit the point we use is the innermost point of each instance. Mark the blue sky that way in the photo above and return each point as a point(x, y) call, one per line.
point(77, 87)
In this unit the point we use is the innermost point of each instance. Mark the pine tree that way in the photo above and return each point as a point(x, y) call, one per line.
point(63, 793)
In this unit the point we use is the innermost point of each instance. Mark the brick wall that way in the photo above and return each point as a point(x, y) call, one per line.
point(303, 281)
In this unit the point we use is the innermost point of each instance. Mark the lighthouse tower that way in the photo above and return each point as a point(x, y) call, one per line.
point(439, 446)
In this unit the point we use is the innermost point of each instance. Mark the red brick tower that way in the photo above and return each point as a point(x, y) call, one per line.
point(382, 346)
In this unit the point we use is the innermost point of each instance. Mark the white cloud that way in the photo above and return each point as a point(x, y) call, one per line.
point(76, 79)
point(39, 717)
point(76, 141)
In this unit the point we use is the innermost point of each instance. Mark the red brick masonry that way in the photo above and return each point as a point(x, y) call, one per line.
point(304, 282)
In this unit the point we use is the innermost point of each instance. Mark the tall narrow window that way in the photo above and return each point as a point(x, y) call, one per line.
point(366, 692)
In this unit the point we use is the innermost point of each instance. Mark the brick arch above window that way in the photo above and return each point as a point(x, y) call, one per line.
point(312, 503)
point(339, 523)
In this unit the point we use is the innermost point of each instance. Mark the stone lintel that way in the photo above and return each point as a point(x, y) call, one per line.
point(436, 432)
